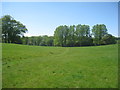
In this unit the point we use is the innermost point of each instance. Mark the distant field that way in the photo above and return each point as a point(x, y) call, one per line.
point(59, 67)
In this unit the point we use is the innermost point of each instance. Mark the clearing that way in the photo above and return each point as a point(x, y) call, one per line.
point(59, 67)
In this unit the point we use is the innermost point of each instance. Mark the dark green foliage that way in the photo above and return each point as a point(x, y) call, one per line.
point(117, 40)
point(65, 36)
point(38, 40)
point(61, 35)
point(72, 36)
point(83, 37)
point(108, 39)
point(98, 32)
point(12, 30)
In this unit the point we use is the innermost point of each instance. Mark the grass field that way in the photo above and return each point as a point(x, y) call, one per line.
point(59, 67)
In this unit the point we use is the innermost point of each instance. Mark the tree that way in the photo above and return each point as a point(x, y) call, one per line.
point(25, 40)
point(49, 41)
point(108, 39)
point(78, 34)
point(61, 35)
point(44, 40)
point(58, 36)
point(83, 36)
point(70, 41)
point(65, 30)
point(39, 39)
point(98, 31)
point(12, 30)
point(72, 35)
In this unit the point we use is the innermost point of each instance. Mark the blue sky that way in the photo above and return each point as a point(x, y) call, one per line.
point(41, 18)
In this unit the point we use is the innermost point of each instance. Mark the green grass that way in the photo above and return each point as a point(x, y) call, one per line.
point(59, 67)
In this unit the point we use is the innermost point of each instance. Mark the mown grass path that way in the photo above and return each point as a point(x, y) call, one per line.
point(59, 67)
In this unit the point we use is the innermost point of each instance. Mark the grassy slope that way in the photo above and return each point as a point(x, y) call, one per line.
point(56, 67)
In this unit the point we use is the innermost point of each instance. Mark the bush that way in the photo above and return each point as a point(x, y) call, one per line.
point(108, 39)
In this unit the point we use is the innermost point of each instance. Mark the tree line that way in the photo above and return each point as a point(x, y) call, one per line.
point(65, 36)
point(38, 40)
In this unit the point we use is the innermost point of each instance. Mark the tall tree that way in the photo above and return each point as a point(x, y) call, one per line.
point(58, 36)
point(82, 34)
point(78, 34)
point(71, 36)
point(12, 30)
point(98, 31)
point(65, 30)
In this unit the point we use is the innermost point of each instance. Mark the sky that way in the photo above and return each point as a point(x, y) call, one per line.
point(42, 18)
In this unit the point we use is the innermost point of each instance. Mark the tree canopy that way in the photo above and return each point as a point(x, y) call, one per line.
point(98, 31)
point(12, 30)
point(72, 35)
point(65, 36)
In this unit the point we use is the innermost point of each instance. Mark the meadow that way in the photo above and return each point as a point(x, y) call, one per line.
point(27, 66)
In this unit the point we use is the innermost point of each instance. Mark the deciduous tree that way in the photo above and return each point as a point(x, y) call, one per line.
point(12, 30)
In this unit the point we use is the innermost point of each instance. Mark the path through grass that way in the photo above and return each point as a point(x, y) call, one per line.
point(59, 67)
